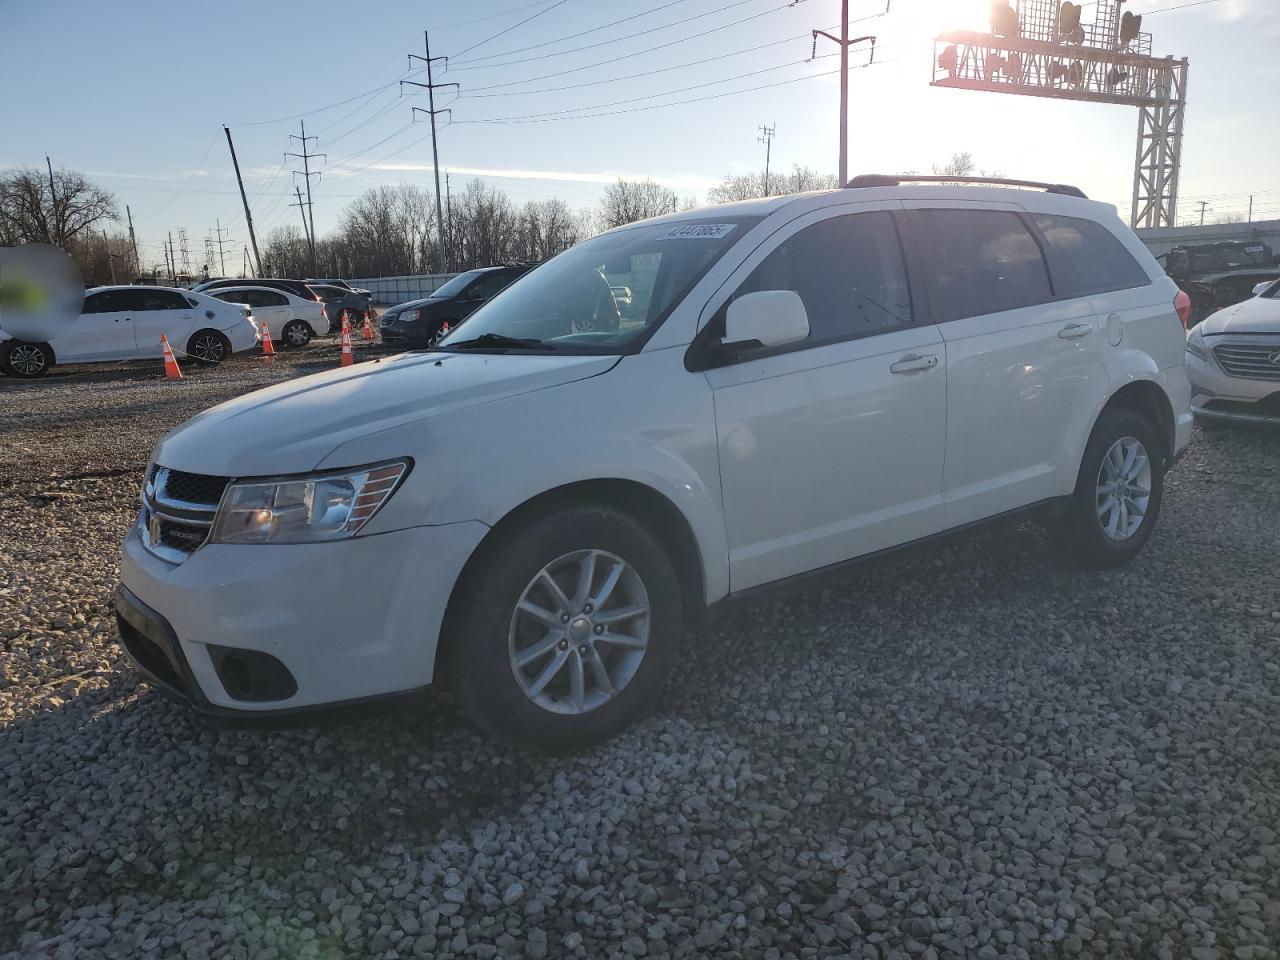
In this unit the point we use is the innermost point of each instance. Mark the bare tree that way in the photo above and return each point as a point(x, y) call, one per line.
point(630, 200)
point(749, 186)
point(962, 165)
point(33, 210)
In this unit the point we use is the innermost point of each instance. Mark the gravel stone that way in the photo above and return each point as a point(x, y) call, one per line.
point(978, 752)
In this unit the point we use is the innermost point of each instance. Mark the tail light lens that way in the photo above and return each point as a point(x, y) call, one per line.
point(1182, 304)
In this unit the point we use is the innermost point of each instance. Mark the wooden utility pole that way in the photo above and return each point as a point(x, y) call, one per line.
point(430, 86)
point(302, 208)
point(1203, 204)
point(766, 137)
point(53, 204)
point(248, 217)
point(173, 275)
point(222, 260)
point(845, 43)
point(133, 239)
point(111, 264)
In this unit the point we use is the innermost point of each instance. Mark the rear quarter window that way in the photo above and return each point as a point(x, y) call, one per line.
point(1090, 256)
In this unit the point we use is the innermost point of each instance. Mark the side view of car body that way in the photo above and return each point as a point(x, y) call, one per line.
point(125, 323)
point(542, 509)
point(297, 287)
point(283, 315)
point(1233, 361)
point(343, 303)
point(421, 322)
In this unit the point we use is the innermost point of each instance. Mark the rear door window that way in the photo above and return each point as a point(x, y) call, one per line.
point(1094, 261)
point(978, 262)
point(159, 300)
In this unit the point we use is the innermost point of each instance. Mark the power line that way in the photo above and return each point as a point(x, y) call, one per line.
point(658, 106)
point(580, 33)
point(491, 16)
point(510, 28)
point(641, 33)
point(186, 182)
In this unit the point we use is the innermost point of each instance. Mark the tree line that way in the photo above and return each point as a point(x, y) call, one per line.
point(386, 231)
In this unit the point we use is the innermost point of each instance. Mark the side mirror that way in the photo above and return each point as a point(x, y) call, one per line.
point(771, 318)
point(1262, 286)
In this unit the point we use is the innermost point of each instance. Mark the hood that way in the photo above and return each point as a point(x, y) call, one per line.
point(291, 427)
point(1256, 315)
point(408, 305)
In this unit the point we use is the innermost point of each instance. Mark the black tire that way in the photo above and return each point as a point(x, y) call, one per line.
point(208, 348)
point(296, 334)
point(27, 361)
point(1081, 532)
point(476, 659)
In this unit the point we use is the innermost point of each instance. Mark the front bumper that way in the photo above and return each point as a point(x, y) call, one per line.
point(1217, 396)
point(348, 620)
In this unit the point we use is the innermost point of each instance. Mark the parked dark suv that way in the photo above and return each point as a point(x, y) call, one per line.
point(424, 321)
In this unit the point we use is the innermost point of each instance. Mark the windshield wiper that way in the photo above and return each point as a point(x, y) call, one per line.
point(498, 340)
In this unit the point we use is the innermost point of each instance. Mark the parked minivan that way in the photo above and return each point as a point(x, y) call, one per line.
point(541, 509)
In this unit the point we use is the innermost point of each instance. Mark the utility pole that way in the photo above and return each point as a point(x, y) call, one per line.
point(186, 253)
point(222, 260)
point(111, 263)
point(248, 217)
point(173, 273)
point(244, 267)
point(53, 204)
point(766, 137)
point(302, 208)
point(430, 86)
point(448, 212)
point(845, 43)
point(1203, 205)
point(133, 239)
point(1250, 220)
point(306, 173)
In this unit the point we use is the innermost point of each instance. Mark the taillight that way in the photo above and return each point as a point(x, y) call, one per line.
point(1182, 304)
point(324, 310)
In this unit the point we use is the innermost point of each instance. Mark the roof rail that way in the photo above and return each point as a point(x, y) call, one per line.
point(896, 180)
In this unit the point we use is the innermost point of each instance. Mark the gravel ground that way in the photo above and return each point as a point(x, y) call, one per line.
point(980, 752)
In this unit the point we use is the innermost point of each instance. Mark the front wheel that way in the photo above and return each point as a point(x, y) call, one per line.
point(296, 333)
point(567, 630)
point(25, 360)
point(1118, 492)
point(209, 347)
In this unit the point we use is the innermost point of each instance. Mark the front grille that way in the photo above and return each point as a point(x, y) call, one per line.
point(149, 655)
point(178, 510)
point(189, 487)
point(1253, 361)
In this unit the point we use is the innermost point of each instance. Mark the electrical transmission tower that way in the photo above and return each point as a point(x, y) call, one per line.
point(217, 232)
point(766, 137)
point(186, 254)
point(309, 218)
point(1041, 49)
point(431, 86)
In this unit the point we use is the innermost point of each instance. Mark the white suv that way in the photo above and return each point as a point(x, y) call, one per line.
point(540, 510)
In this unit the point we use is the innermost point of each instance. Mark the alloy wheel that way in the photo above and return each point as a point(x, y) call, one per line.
point(297, 335)
point(579, 632)
point(1123, 488)
point(207, 348)
point(27, 360)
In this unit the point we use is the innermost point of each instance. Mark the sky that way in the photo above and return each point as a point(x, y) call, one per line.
point(135, 94)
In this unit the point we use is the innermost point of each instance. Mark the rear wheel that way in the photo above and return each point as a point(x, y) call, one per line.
point(567, 631)
point(25, 360)
point(1118, 492)
point(208, 347)
point(296, 333)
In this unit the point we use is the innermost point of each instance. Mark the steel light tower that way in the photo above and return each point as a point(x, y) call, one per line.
point(1040, 48)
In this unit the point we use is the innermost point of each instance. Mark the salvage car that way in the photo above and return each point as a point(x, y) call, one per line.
point(541, 509)
point(279, 314)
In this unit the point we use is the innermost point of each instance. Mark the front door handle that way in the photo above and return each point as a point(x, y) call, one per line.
point(1073, 330)
point(913, 362)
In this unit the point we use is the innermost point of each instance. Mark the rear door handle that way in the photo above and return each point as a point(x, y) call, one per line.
point(913, 362)
point(1073, 330)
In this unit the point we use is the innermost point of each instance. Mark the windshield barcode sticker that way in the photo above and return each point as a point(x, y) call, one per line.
point(699, 231)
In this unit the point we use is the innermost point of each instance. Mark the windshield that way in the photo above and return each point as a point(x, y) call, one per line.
point(604, 294)
point(451, 288)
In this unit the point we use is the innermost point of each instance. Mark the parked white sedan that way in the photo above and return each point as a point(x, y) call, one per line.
point(287, 316)
point(125, 323)
point(1233, 361)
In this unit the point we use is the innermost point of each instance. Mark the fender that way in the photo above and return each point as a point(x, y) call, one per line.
point(1121, 367)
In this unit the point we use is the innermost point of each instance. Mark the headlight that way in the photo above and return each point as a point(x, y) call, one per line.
point(409, 316)
point(307, 509)
point(1196, 346)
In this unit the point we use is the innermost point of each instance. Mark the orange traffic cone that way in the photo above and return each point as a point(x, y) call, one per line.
point(346, 342)
point(171, 371)
point(367, 332)
point(268, 348)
